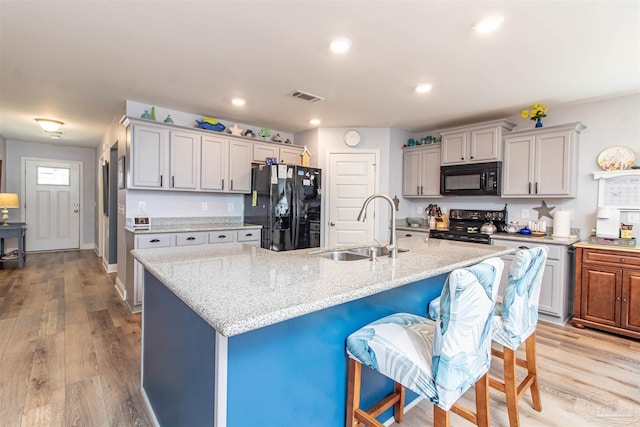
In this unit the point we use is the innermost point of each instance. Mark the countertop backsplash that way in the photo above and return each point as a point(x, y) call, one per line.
point(204, 220)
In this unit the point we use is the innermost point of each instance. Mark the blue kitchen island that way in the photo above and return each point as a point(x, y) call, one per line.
point(238, 336)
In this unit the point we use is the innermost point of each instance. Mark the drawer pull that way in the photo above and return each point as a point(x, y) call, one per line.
point(191, 238)
point(408, 235)
point(248, 234)
point(523, 247)
point(624, 300)
point(621, 259)
point(617, 298)
point(154, 240)
point(222, 236)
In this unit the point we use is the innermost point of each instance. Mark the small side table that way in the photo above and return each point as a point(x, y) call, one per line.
point(17, 230)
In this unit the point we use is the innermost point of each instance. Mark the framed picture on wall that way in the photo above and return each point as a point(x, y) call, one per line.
point(121, 172)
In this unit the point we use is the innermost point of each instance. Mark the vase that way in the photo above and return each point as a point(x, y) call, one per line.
point(539, 122)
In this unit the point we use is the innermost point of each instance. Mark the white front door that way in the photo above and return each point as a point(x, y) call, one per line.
point(351, 179)
point(52, 208)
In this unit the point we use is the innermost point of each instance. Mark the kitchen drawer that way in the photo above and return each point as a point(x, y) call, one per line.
point(555, 251)
point(594, 256)
point(251, 235)
point(185, 239)
point(154, 241)
point(226, 236)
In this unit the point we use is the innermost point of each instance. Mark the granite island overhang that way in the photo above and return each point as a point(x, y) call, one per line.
point(236, 327)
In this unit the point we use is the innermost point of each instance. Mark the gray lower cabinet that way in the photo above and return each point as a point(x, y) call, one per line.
point(556, 300)
point(135, 270)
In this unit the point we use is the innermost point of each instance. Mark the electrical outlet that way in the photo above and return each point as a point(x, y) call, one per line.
point(524, 213)
point(204, 206)
point(142, 206)
point(633, 217)
point(419, 210)
point(230, 207)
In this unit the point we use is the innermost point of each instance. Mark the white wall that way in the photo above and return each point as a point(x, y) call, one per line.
point(614, 121)
point(3, 156)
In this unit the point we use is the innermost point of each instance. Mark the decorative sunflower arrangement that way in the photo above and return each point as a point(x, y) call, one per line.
point(537, 111)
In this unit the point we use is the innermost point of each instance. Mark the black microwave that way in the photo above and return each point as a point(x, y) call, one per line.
point(475, 179)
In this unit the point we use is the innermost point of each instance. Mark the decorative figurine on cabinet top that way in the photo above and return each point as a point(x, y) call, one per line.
point(235, 130)
point(264, 132)
point(249, 133)
point(169, 120)
point(277, 138)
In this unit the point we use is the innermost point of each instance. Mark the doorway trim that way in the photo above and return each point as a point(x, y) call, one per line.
point(23, 191)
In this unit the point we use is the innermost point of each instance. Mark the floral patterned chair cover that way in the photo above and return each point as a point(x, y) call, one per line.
point(438, 360)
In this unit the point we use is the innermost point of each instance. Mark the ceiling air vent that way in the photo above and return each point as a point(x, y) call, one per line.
point(306, 96)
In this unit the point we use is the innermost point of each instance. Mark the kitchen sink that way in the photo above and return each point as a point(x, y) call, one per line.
point(354, 254)
point(341, 255)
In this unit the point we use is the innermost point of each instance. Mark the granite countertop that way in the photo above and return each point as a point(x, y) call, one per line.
point(547, 239)
point(587, 244)
point(186, 228)
point(238, 288)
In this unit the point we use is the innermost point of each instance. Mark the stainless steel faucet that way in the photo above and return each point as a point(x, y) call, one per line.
point(393, 240)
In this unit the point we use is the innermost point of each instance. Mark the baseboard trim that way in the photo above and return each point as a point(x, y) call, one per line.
point(87, 246)
point(109, 268)
point(120, 288)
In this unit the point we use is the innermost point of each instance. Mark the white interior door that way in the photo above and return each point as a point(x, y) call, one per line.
point(351, 179)
point(52, 208)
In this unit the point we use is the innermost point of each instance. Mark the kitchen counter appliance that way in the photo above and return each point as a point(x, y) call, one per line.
point(465, 225)
point(285, 201)
point(475, 179)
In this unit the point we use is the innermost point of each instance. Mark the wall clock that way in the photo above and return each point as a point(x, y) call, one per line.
point(352, 138)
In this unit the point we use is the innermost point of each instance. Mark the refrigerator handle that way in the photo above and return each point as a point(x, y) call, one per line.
point(293, 199)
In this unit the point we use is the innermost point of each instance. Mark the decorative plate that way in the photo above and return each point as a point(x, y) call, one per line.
point(616, 157)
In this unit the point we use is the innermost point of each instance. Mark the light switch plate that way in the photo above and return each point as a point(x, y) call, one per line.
point(524, 213)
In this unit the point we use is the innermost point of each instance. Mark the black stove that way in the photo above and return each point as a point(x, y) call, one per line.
point(465, 224)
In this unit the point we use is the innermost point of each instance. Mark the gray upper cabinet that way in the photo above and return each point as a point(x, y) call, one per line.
point(184, 160)
point(240, 155)
point(421, 171)
point(148, 157)
point(481, 142)
point(541, 162)
point(285, 154)
point(214, 170)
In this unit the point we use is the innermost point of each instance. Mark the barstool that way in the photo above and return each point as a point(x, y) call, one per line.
point(516, 323)
point(438, 360)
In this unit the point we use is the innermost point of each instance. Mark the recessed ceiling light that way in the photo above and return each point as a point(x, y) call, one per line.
point(238, 101)
point(49, 125)
point(315, 122)
point(488, 24)
point(424, 87)
point(340, 45)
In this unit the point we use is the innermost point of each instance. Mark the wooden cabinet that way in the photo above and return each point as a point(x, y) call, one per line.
point(608, 290)
point(421, 171)
point(555, 303)
point(541, 162)
point(285, 154)
point(476, 143)
point(225, 165)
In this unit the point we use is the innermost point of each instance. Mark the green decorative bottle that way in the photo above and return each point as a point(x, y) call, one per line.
point(153, 113)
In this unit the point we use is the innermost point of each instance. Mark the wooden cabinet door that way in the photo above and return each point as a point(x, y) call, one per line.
point(600, 295)
point(184, 158)
point(430, 172)
point(240, 156)
point(552, 172)
point(485, 145)
point(214, 163)
point(630, 318)
point(517, 167)
point(148, 152)
point(411, 173)
point(454, 148)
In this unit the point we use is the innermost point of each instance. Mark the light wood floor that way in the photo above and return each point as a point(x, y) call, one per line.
point(70, 355)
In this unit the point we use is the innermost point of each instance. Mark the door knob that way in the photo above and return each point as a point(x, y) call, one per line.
point(332, 224)
point(76, 210)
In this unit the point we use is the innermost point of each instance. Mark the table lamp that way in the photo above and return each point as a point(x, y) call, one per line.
point(8, 200)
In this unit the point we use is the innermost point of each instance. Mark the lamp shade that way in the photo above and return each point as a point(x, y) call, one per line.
point(9, 200)
point(49, 125)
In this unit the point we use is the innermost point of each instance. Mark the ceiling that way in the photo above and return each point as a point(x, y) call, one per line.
point(78, 61)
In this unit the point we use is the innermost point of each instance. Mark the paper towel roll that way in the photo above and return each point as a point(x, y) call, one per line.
point(562, 224)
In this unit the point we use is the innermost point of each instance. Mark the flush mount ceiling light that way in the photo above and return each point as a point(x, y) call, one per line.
point(488, 24)
point(49, 125)
point(423, 87)
point(238, 102)
point(55, 135)
point(340, 45)
point(315, 122)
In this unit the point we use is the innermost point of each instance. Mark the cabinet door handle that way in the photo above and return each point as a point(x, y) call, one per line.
point(191, 238)
point(624, 300)
point(471, 157)
point(160, 180)
point(231, 185)
point(529, 188)
point(154, 240)
point(617, 298)
point(536, 188)
point(421, 190)
point(173, 181)
point(461, 158)
point(223, 183)
point(222, 236)
point(621, 259)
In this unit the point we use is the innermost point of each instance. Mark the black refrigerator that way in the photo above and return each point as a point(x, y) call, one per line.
point(285, 201)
